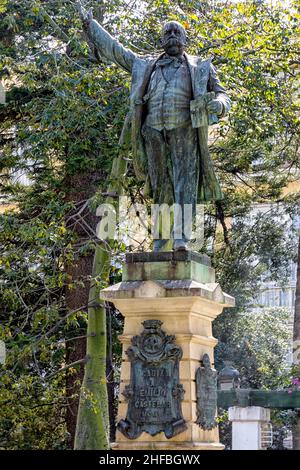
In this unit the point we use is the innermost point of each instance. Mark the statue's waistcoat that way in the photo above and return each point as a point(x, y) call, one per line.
point(168, 96)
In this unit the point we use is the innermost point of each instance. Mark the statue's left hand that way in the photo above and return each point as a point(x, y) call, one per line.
point(215, 107)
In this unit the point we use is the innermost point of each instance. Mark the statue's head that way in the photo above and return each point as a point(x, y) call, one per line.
point(173, 38)
point(206, 360)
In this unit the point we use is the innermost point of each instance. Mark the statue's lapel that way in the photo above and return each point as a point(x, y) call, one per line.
point(138, 114)
point(147, 74)
point(199, 70)
point(192, 65)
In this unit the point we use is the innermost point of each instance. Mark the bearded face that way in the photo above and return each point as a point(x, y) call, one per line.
point(173, 38)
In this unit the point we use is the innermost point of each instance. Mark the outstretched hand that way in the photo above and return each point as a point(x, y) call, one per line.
point(85, 15)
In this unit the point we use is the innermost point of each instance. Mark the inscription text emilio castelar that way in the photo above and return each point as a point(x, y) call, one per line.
point(152, 399)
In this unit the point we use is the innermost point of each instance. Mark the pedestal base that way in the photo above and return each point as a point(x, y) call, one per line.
point(248, 427)
point(179, 290)
point(150, 445)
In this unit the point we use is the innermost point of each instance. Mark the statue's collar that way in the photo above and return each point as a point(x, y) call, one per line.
point(168, 59)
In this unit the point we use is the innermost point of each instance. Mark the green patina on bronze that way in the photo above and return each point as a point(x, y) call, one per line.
point(281, 399)
point(174, 98)
point(154, 394)
point(206, 394)
point(168, 266)
point(168, 270)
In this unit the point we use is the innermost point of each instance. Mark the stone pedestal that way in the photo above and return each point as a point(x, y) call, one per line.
point(250, 427)
point(179, 289)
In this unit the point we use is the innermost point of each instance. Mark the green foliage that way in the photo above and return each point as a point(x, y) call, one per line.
point(58, 124)
point(32, 410)
point(257, 343)
point(64, 112)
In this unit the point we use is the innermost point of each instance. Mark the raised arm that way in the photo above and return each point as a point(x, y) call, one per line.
point(105, 43)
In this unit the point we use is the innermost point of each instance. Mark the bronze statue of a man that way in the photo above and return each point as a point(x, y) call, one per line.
point(174, 97)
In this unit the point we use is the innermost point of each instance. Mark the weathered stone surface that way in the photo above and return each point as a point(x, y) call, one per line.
point(150, 256)
point(247, 425)
point(172, 265)
point(177, 288)
point(187, 309)
point(168, 270)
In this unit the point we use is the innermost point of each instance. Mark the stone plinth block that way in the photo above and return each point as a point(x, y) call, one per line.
point(247, 426)
point(171, 298)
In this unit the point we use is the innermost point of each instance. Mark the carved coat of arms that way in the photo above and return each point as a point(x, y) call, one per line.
point(154, 395)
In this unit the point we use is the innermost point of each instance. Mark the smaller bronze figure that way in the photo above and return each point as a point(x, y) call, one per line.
point(207, 394)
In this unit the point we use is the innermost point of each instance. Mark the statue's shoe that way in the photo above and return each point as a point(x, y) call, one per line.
point(180, 245)
point(159, 244)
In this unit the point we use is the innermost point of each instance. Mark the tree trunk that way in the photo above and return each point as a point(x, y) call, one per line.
point(296, 346)
point(93, 427)
point(75, 349)
point(92, 431)
point(79, 189)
